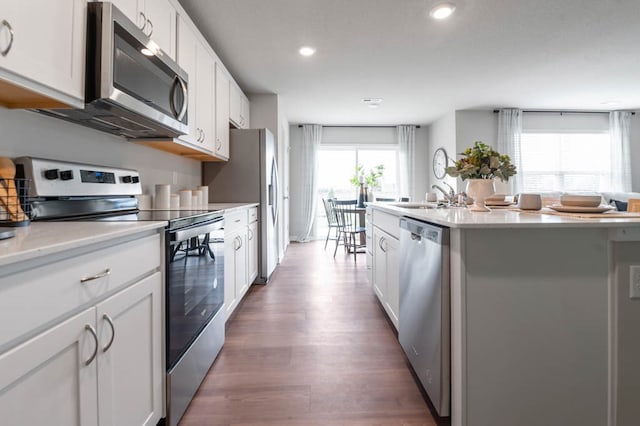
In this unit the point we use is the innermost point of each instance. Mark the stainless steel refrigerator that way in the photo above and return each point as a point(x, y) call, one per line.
point(250, 176)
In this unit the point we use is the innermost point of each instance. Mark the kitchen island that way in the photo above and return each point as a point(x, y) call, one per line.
point(543, 329)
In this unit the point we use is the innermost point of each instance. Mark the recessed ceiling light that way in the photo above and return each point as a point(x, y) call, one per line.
point(442, 10)
point(307, 50)
point(610, 103)
point(372, 102)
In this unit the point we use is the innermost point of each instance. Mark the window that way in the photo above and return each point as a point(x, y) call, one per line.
point(563, 161)
point(336, 166)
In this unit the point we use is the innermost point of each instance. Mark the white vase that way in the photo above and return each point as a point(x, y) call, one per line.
point(479, 190)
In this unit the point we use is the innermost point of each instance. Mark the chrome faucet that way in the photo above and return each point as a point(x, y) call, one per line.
point(450, 196)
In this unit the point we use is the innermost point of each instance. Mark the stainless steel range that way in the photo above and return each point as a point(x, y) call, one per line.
point(194, 253)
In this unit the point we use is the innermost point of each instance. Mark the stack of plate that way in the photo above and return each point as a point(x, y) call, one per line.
point(497, 200)
point(575, 203)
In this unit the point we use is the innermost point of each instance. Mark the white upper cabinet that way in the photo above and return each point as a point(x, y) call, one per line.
point(222, 113)
point(156, 18)
point(238, 107)
point(42, 53)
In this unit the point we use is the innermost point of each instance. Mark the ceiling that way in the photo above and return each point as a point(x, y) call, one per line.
point(542, 54)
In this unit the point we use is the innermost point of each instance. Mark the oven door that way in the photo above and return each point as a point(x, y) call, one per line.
point(195, 284)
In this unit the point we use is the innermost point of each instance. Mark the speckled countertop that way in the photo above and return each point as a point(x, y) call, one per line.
point(456, 217)
point(45, 238)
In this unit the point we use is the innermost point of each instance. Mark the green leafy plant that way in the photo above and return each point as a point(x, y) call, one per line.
point(482, 162)
point(370, 179)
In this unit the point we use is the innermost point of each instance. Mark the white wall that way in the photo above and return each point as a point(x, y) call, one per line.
point(25, 133)
point(422, 165)
point(635, 152)
point(442, 133)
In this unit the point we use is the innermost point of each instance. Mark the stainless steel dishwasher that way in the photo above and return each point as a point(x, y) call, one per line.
point(424, 324)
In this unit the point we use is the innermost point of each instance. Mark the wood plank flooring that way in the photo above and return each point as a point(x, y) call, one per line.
point(313, 347)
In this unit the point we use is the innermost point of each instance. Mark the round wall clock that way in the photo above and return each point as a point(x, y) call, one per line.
point(440, 160)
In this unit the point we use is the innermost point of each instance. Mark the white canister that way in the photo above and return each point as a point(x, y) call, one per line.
point(198, 194)
point(144, 201)
point(163, 197)
point(205, 195)
point(185, 199)
point(194, 202)
point(174, 203)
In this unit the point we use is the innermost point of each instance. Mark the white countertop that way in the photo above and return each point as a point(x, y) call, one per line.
point(456, 217)
point(46, 238)
point(228, 207)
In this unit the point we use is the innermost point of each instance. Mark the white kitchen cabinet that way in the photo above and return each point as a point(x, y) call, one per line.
point(88, 350)
point(252, 251)
point(130, 371)
point(156, 18)
point(238, 107)
point(46, 380)
point(194, 58)
point(386, 279)
point(236, 249)
point(222, 113)
point(42, 48)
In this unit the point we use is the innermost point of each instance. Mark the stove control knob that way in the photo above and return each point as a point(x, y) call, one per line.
point(51, 174)
point(135, 179)
point(126, 179)
point(66, 174)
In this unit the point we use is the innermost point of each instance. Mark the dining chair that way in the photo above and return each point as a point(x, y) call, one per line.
point(332, 220)
point(351, 225)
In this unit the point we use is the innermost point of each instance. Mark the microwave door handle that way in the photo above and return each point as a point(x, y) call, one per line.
point(185, 97)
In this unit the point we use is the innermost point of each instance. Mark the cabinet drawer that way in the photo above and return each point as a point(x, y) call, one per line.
point(235, 220)
point(387, 222)
point(33, 298)
point(253, 214)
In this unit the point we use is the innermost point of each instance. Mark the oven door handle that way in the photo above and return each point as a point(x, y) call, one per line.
point(185, 234)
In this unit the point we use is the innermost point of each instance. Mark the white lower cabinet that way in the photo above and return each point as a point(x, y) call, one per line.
point(129, 358)
point(94, 356)
point(386, 274)
point(46, 380)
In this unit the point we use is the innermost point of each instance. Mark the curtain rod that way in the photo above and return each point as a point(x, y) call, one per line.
point(417, 127)
point(564, 112)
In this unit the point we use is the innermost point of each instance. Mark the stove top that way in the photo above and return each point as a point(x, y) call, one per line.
point(176, 218)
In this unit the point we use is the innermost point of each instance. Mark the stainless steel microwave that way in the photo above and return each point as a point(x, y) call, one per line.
point(132, 88)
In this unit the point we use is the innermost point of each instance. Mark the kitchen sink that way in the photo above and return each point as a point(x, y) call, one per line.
point(409, 205)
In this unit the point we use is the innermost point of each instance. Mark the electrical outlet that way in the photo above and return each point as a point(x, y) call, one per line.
point(175, 178)
point(634, 282)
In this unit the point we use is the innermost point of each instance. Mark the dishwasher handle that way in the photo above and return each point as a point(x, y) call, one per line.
point(423, 231)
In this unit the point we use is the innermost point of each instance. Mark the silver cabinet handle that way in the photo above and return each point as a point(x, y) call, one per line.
point(151, 25)
point(102, 274)
point(380, 241)
point(250, 234)
point(204, 136)
point(144, 21)
point(92, 330)
point(108, 319)
point(5, 23)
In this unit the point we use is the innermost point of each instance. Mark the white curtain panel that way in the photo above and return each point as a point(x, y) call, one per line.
point(407, 149)
point(311, 138)
point(509, 142)
point(619, 122)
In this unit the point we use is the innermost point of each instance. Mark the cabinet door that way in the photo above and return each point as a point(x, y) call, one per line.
point(379, 265)
point(47, 45)
point(134, 10)
point(45, 381)
point(242, 282)
point(245, 112)
point(392, 299)
point(235, 104)
point(230, 297)
point(130, 369)
point(187, 59)
point(252, 255)
point(205, 98)
point(161, 27)
point(222, 113)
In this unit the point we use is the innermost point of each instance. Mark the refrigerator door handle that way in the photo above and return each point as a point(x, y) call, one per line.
point(273, 191)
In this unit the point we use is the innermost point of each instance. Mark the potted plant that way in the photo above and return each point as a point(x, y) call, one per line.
point(480, 165)
point(367, 181)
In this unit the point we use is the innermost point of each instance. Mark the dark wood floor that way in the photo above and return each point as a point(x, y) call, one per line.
point(313, 347)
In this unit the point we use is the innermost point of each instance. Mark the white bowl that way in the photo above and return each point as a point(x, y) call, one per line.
point(495, 197)
point(575, 200)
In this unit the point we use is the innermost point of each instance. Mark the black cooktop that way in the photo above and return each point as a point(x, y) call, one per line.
point(176, 218)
